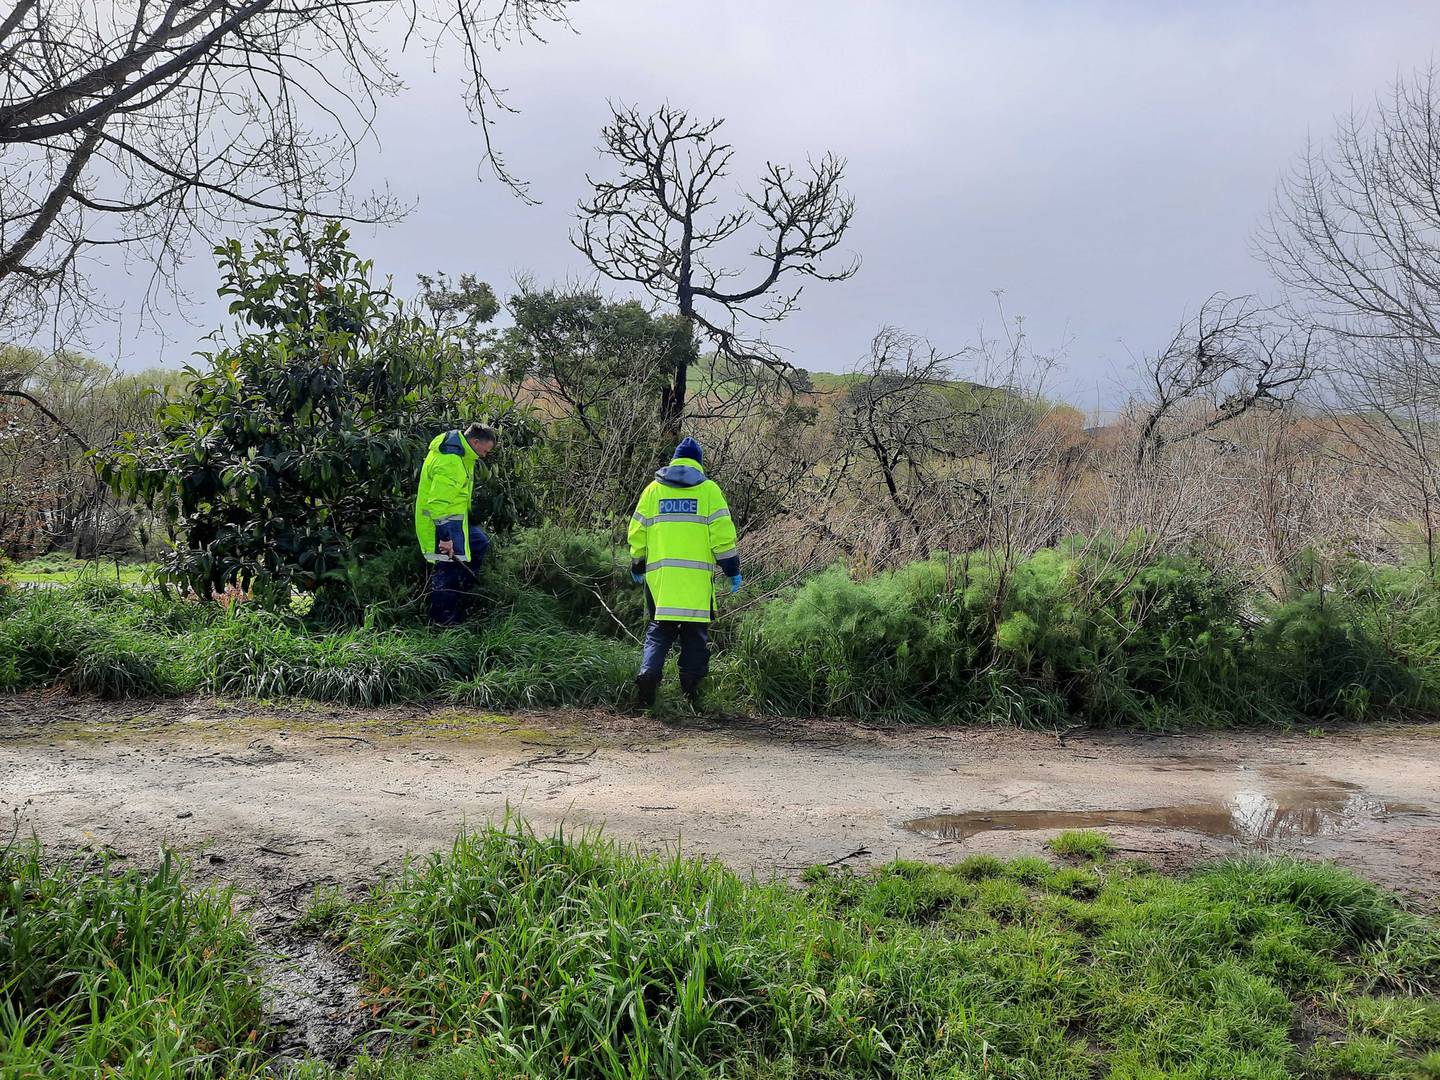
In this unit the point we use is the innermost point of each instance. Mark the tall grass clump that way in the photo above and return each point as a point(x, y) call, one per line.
point(261, 655)
point(93, 639)
point(565, 956)
point(525, 662)
point(120, 973)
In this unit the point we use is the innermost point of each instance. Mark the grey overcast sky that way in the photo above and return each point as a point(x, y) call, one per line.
point(1102, 163)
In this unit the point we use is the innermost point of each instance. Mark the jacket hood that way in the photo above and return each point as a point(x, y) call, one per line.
point(682, 472)
point(452, 442)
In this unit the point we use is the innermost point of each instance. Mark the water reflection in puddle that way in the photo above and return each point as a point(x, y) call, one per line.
point(1316, 807)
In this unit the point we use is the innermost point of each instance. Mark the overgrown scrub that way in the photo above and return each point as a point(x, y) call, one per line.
point(564, 956)
point(121, 973)
point(1101, 632)
point(1105, 632)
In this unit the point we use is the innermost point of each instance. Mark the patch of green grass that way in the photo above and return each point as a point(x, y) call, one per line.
point(1082, 844)
point(58, 569)
point(327, 906)
point(120, 973)
point(565, 956)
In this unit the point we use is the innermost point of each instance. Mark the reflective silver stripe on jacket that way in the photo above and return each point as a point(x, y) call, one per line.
point(726, 554)
point(435, 556)
point(698, 519)
point(689, 564)
point(682, 612)
point(449, 518)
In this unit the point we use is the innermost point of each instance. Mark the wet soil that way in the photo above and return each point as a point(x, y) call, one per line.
point(279, 799)
point(312, 997)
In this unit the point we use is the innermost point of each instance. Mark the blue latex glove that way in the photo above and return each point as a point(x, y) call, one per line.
point(735, 582)
point(637, 576)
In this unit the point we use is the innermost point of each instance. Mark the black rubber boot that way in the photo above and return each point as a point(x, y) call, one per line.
point(690, 686)
point(645, 693)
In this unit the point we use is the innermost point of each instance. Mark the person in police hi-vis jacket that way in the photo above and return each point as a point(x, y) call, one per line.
point(680, 532)
point(442, 519)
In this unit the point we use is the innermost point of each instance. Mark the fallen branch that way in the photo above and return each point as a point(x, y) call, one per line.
point(833, 862)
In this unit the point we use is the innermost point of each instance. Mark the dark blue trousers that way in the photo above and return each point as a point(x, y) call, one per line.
point(452, 583)
point(694, 638)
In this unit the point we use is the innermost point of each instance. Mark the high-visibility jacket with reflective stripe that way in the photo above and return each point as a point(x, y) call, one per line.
point(442, 502)
point(680, 533)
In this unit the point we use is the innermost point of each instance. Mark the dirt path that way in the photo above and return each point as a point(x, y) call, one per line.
point(280, 799)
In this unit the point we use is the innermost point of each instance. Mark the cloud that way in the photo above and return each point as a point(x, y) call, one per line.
point(1104, 164)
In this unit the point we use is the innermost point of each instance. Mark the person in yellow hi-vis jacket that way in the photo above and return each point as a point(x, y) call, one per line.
point(680, 532)
point(442, 519)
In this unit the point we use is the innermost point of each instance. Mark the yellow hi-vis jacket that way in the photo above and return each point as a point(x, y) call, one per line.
point(680, 529)
point(442, 503)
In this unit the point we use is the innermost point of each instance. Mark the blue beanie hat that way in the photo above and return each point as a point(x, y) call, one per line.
point(689, 448)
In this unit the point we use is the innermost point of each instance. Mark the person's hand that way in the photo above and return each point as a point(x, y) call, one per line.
point(446, 547)
point(735, 583)
point(637, 573)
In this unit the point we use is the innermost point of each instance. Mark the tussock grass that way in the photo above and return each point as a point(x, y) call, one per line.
point(118, 645)
point(1083, 844)
point(110, 973)
point(565, 956)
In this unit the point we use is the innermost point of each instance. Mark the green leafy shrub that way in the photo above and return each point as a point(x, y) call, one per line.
point(1115, 628)
point(1319, 657)
point(896, 644)
point(292, 454)
point(1108, 632)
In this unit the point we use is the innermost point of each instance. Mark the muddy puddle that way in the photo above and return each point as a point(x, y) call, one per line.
point(1269, 807)
point(312, 998)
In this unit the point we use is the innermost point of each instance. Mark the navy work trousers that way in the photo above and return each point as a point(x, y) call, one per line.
point(452, 583)
point(694, 638)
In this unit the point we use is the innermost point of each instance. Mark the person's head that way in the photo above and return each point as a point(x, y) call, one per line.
point(689, 448)
point(482, 439)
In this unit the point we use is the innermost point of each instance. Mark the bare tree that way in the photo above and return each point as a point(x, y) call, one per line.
point(142, 124)
point(659, 226)
point(1355, 235)
point(1226, 361)
point(1383, 408)
point(1355, 230)
point(900, 416)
